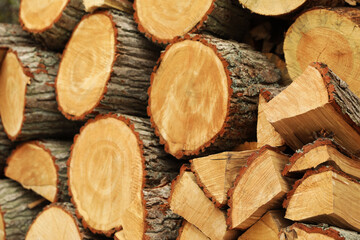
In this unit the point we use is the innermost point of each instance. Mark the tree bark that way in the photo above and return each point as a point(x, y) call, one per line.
point(12, 34)
point(5, 149)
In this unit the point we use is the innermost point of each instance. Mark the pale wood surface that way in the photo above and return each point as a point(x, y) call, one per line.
point(189, 231)
point(122, 5)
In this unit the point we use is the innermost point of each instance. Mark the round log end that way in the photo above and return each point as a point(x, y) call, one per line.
point(13, 81)
point(33, 166)
point(106, 173)
point(38, 16)
point(272, 8)
point(2, 226)
point(189, 97)
point(163, 21)
point(86, 66)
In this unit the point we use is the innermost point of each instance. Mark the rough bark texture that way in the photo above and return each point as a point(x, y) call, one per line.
point(60, 150)
point(42, 117)
point(56, 36)
point(14, 202)
point(5, 149)
point(11, 34)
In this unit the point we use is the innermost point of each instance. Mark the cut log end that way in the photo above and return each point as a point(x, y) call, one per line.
point(81, 86)
point(272, 8)
point(156, 19)
point(191, 117)
point(34, 168)
point(54, 221)
point(13, 81)
point(38, 16)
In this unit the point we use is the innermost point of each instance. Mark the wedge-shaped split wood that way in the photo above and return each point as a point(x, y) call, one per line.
point(316, 104)
point(163, 23)
point(41, 166)
point(204, 93)
point(189, 231)
point(122, 5)
point(108, 183)
point(16, 215)
point(217, 173)
point(268, 227)
point(51, 22)
point(27, 96)
point(323, 152)
point(300, 231)
point(189, 201)
point(113, 67)
point(259, 187)
point(326, 35)
point(325, 196)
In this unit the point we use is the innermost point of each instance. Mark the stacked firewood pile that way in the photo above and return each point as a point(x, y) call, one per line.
point(180, 120)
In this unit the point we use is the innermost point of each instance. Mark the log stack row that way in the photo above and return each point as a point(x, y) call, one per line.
point(153, 120)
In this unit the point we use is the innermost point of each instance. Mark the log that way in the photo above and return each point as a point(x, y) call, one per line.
point(122, 5)
point(58, 220)
point(323, 35)
point(204, 94)
point(28, 105)
point(15, 214)
point(122, 164)
point(51, 22)
point(215, 174)
point(41, 166)
point(163, 23)
point(189, 201)
point(287, 9)
point(13, 34)
point(317, 104)
point(268, 227)
point(189, 231)
point(5, 148)
point(299, 231)
point(246, 146)
point(325, 196)
point(322, 152)
point(281, 65)
point(259, 187)
point(121, 77)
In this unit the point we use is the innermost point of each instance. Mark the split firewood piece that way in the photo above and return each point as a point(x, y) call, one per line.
point(5, 149)
point(285, 7)
point(15, 214)
point(299, 231)
point(204, 92)
point(189, 231)
point(323, 35)
point(41, 166)
point(162, 22)
point(266, 133)
point(217, 173)
point(258, 188)
point(246, 146)
point(58, 221)
point(316, 104)
point(189, 201)
point(268, 227)
point(120, 62)
point(122, 5)
point(323, 152)
point(51, 22)
point(13, 34)
point(325, 196)
point(108, 182)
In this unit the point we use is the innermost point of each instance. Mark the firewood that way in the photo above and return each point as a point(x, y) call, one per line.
point(51, 22)
point(189, 231)
point(299, 231)
point(323, 35)
point(15, 214)
point(41, 167)
point(259, 187)
point(317, 104)
point(13, 34)
point(204, 92)
point(189, 201)
point(246, 146)
point(285, 8)
point(108, 183)
point(120, 62)
point(28, 105)
point(268, 227)
point(5, 149)
point(164, 22)
point(217, 173)
point(58, 221)
point(323, 152)
point(122, 5)
point(325, 196)
point(281, 65)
